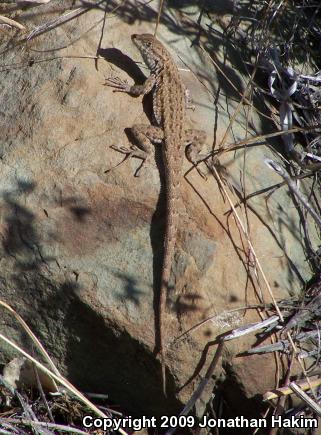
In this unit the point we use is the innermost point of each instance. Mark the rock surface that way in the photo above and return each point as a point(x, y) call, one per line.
point(80, 247)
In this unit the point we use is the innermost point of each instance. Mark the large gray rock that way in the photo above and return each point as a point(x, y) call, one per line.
point(80, 247)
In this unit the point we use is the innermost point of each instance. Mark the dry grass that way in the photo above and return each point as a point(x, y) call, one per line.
point(75, 403)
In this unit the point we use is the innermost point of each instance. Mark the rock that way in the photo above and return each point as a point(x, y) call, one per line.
point(81, 247)
point(20, 373)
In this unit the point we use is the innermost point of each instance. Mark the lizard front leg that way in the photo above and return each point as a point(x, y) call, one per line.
point(144, 136)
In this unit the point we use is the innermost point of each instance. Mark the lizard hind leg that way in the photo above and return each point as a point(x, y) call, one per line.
point(144, 137)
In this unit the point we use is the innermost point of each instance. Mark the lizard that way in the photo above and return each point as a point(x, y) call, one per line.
point(170, 100)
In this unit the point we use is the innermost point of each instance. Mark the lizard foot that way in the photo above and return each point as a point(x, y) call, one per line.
point(197, 158)
point(133, 151)
point(188, 100)
point(202, 172)
point(118, 84)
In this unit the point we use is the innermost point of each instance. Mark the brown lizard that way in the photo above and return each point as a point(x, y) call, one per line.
point(170, 99)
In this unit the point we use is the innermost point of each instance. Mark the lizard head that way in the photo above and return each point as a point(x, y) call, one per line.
point(152, 51)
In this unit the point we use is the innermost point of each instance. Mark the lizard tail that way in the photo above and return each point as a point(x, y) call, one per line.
point(169, 247)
